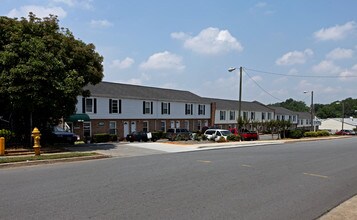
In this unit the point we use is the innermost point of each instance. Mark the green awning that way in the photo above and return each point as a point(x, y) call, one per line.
point(78, 117)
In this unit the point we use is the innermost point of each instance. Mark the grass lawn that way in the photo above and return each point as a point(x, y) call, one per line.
point(13, 159)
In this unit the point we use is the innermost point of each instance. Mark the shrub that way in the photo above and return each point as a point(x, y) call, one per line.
point(100, 138)
point(296, 134)
point(221, 139)
point(233, 137)
point(323, 133)
point(7, 134)
point(310, 134)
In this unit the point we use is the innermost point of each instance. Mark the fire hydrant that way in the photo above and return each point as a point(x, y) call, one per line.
point(36, 139)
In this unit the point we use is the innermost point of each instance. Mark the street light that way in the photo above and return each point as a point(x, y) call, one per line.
point(240, 93)
point(343, 112)
point(312, 110)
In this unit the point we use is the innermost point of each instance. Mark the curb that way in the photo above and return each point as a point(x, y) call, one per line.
point(52, 161)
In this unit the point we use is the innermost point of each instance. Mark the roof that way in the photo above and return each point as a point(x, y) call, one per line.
point(246, 106)
point(283, 111)
point(304, 115)
point(109, 89)
point(350, 121)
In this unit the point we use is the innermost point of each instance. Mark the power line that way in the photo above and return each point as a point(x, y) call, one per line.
point(260, 86)
point(300, 76)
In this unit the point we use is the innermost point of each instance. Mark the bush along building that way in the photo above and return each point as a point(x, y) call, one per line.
point(119, 109)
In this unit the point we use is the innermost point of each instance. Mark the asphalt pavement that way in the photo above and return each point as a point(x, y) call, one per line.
point(346, 210)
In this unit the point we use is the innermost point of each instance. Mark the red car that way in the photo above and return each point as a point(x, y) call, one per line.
point(345, 132)
point(245, 134)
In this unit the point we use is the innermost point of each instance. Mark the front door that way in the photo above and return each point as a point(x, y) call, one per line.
point(133, 126)
point(126, 128)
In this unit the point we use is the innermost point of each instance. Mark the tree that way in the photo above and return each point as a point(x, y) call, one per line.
point(291, 104)
point(43, 69)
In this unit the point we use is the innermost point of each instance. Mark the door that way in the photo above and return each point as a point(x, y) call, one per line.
point(133, 126)
point(126, 128)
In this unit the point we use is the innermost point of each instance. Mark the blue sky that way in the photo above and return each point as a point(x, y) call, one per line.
point(285, 47)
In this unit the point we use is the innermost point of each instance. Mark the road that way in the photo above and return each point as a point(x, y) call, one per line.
point(286, 181)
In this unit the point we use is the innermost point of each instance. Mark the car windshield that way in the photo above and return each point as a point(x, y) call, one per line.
point(226, 133)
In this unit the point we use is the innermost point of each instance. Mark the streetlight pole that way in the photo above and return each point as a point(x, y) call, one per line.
point(240, 94)
point(312, 111)
point(343, 113)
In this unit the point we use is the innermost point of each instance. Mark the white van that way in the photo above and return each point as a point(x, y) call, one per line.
point(216, 134)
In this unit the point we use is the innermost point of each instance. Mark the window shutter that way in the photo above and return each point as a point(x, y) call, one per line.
point(110, 106)
point(168, 108)
point(119, 106)
point(191, 109)
point(152, 107)
point(144, 107)
point(95, 106)
point(83, 105)
point(162, 108)
point(185, 109)
point(204, 109)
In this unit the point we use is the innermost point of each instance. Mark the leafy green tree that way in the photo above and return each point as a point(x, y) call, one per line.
point(293, 105)
point(43, 69)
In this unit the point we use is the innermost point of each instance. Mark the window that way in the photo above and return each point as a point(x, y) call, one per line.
point(114, 106)
point(252, 115)
point(294, 118)
point(232, 115)
point(269, 115)
point(263, 116)
point(245, 115)
point(112, 127)
point(86, 129)
point(177, 124)
point(145, 126)
point(163, 125)
point(222, 115)
point(89, 105)
point(147, 107)
point(201, 109)
point(165, 108)
point(199, 125)
point(283, 117)
point(187, 124)
point(188, 109)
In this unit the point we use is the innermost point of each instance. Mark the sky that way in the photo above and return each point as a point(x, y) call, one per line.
point(286, 48)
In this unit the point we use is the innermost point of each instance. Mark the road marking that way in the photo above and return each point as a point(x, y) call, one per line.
point(316, 175)
point(204, 161)
point(246, 165)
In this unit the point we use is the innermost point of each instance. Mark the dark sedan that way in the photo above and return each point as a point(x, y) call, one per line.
point(137, 136)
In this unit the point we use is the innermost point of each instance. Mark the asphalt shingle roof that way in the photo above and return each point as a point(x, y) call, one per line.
point(109, 89)
point(246, 106)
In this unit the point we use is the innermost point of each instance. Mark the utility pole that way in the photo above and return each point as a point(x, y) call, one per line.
point(240, 95)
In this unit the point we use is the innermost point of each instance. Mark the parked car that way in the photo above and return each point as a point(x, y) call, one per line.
point(178, 134)
point(140, 136)
point(345, 132)
point(60, 135)
point(216, 134)
point(245, 134)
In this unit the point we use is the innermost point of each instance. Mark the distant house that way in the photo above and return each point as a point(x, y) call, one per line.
point(283, 114)
point(335, 124)
point(225, 112)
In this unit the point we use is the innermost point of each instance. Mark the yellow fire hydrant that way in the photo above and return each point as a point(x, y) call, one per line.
point(2, 146)
point(36, 139)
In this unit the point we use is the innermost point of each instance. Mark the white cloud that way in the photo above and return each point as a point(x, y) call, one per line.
point(294, 57)
point(210, 41)
point(337, 32)
point(261, 4)
point(179, 35)
point(326, 66)
point(122, 64)
point(100, 23)
point(340, 53)
point(85, 4)
point(39, 11)
point(163, 60)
